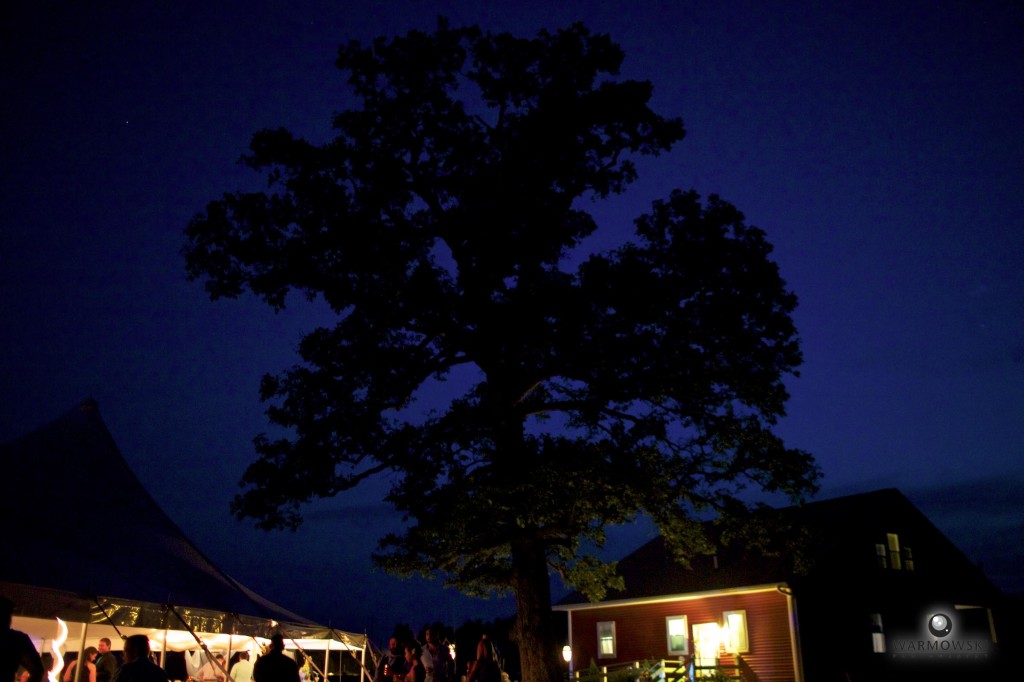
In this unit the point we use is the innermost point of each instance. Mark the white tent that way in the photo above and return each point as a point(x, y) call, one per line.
point(159, 584)
point(44, 632)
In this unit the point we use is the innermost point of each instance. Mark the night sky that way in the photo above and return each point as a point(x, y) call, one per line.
point(879, 144)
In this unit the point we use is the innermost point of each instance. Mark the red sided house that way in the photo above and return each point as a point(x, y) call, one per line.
point(879, 594)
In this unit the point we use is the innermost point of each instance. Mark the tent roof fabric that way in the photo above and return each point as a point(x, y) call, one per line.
point(83, 532)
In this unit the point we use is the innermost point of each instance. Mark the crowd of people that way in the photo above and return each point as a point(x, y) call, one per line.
point(405, 660)
point(431, 661)
point(21, 662)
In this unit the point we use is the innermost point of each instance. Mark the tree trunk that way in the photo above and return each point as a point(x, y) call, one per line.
point(534, 632)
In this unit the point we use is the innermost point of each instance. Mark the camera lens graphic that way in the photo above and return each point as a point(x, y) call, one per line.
point(940, 625)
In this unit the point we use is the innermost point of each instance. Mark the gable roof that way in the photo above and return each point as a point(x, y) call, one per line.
point(82, 530)
point(838, 537)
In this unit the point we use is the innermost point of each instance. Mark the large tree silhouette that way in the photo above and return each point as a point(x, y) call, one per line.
point(443, 225)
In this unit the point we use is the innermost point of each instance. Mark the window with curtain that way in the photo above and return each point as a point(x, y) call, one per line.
point(737, 641)
point(606, 639)
point(678, 634)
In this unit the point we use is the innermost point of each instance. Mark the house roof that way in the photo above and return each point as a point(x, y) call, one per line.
point(79, 522)
point(837, 539)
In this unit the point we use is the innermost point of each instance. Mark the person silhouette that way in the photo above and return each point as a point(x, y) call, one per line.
point(415, 671)
point(485, 668)
point(16, 648)
point(392, 661)
point(88, 673)
point(138, 667)
point(275, 666)
point(241, 671)
point(436, 657)
point(106, 662)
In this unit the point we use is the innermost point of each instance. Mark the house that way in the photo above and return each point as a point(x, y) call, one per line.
point(873, 591)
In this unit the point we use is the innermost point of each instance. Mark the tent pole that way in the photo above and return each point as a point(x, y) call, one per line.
point(81, 655)
point(327, 661)
point(163, 654)
point(362, 658)
point(231, 642)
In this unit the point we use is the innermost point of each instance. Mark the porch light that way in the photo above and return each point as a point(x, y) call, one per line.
point(566, 653)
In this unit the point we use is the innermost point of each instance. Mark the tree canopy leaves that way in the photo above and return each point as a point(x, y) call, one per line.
point(442, 224)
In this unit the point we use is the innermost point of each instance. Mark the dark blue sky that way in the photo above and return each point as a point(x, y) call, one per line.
point(879, 144)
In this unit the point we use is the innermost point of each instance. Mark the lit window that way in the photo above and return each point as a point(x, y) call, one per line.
point(735, 637)
point(678, 635)
point(881, 554)
point(908, 559)
point(877, 634)
point(894, 549)
point(606, 639)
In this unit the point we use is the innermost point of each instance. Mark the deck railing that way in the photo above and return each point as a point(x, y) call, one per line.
point(663, 670)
